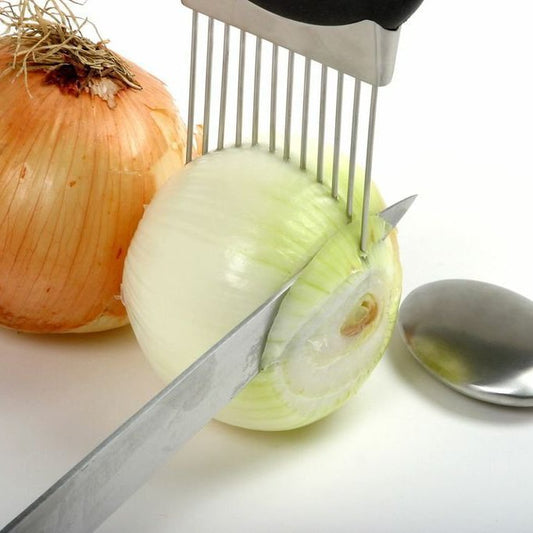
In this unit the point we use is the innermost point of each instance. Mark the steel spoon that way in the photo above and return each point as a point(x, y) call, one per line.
point(473, 336)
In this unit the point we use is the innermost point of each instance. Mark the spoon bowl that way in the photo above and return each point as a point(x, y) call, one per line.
point(473, 336)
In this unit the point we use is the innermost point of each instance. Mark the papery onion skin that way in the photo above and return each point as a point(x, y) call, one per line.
point(75, 176)
point(216, 243)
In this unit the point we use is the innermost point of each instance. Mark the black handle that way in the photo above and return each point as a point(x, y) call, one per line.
point(389, 14)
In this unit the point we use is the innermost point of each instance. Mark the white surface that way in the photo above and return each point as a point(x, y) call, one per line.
point(406, 454)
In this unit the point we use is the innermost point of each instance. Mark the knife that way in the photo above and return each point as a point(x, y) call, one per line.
point(93, 489)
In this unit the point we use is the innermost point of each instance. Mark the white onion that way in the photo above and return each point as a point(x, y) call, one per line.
point(221, 237)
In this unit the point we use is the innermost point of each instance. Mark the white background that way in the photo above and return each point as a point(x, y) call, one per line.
point(405, 455)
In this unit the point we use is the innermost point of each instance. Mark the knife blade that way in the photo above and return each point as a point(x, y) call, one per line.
point(395, 212)
point(93, 489)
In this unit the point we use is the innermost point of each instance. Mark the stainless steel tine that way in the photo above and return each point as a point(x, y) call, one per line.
point(223, 89)
point(353, 148)
point(273, 98)
point(192, 86)
point(288, 107)
point(337, 137)
point(207, 90)
point(322, 124)
point(368, 169)
point(257, 89)
point(305, 114)
point(240, 89)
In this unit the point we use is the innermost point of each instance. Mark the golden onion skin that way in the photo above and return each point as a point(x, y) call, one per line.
point(75, 176)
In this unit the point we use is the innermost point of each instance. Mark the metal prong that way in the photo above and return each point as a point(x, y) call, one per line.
point(368, 168)
point(223, 89)
point(305, 114)
point(257, 86)
point(337, 137)
point(273, 98)
point(207, 93)
point(353, 148)
point(288, 107)
point(192, 85)
point(240, 89)
point(322, 124)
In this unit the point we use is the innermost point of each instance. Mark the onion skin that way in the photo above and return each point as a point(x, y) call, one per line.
point(75, 176)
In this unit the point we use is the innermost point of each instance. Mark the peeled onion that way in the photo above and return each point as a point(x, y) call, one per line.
point(218, 240)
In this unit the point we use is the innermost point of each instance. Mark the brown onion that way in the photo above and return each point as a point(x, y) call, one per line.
point(75, 175)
